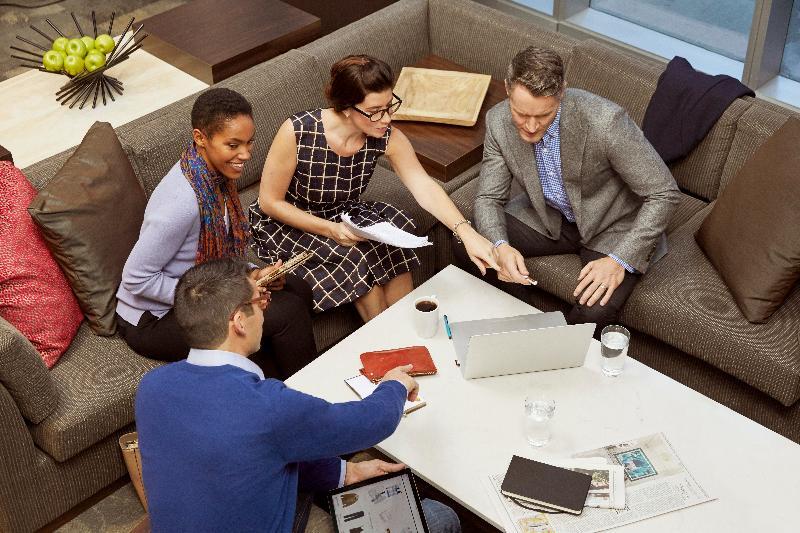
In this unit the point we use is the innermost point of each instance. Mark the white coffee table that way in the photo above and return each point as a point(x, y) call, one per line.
point(34, 126)
point(472, 427)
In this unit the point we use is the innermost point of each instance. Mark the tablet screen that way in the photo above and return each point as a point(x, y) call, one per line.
point(385, 504)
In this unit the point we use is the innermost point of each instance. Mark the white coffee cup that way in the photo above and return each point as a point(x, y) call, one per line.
point(426, 316)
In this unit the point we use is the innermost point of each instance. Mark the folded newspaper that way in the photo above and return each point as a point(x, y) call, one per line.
point(654, 482)
point(386, 232)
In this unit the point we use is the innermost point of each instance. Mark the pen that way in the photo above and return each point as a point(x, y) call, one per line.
point(447, 327)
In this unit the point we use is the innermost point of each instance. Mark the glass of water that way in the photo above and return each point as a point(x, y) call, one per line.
point(614, 342)
point(539, 410)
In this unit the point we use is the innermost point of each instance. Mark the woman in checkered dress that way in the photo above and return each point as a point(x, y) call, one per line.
point(319, 164)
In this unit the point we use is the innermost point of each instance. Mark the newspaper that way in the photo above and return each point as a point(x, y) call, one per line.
point(386, 232)
point(656, 482)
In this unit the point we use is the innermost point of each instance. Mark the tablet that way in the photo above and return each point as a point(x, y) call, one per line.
point(383, 504)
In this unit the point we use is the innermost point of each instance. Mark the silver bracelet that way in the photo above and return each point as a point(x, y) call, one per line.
point(455, 228)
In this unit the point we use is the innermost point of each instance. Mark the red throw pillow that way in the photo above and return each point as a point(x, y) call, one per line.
point(34, 294)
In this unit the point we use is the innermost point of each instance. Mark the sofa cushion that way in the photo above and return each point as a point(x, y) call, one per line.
point(276, 89)
point(683, 302)
point(751, 236)
point(397, 34)
point(33, 289)
point(90, 214)
point(700, 172)
point(485, 40)
point(95, 383)
point(24, 375)
point(757, 124)
point(617, 76)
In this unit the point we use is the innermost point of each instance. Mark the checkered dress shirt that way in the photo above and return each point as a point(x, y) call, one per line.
point(548, 163)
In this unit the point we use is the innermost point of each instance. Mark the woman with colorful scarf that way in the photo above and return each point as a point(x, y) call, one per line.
point(194, 215)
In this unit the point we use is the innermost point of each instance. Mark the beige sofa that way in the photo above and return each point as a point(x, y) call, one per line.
point(58, 429)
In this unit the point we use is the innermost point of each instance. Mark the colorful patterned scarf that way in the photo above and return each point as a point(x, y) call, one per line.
point(215, 241)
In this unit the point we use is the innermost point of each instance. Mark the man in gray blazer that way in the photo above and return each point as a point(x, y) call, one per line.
point(590, 183)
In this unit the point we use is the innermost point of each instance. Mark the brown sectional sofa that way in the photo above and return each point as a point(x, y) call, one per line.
point(58, 429)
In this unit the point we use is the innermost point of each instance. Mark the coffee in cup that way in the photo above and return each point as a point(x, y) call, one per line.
point(426, 316)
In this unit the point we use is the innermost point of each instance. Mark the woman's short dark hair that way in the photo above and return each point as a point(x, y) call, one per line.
point(354, 77)
point(206, 296)
point(216, 106)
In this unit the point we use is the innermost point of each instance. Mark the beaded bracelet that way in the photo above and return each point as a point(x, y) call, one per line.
point(455, 228)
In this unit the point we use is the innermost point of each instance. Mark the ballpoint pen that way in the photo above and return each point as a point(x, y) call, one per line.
point(447, 327)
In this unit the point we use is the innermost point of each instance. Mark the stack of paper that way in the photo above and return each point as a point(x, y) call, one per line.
point(386, 232)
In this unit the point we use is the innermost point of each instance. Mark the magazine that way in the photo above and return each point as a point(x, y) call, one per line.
point(655, 482)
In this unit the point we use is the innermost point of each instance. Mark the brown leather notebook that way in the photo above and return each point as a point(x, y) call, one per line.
point(378, 363)
point(547, 486)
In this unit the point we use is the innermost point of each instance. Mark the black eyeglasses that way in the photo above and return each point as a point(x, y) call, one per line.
point(262, 300)
point(378, 115)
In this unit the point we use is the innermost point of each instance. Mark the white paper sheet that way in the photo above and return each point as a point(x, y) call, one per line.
point(362, 386)
point(387, 233)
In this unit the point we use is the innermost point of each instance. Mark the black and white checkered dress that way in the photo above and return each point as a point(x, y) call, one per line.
point(327, 185)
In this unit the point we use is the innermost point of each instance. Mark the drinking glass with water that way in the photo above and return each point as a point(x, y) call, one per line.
point(614, 341)
point(539, 410)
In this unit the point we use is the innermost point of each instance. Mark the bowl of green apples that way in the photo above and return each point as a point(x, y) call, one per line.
point(83, 58)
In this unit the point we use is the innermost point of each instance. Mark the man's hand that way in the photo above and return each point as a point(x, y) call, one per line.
point(355, 472)
point(277, 284)
point(512, 265)
point(598, 280)
point(401, 374)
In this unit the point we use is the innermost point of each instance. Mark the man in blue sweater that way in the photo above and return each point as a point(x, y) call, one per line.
point(224, 449)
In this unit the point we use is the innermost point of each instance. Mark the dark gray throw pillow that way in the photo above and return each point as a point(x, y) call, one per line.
point(752, 235)
point(90, 214)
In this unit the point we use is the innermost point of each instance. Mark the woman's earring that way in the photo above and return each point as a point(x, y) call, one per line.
point(347, 114)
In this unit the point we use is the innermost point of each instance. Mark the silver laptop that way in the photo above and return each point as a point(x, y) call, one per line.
point(517, 344)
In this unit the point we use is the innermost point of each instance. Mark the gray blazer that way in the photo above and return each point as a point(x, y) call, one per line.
point(621, 191)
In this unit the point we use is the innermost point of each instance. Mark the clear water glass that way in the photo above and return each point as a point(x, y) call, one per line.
point(538, 413)
point(614, 341)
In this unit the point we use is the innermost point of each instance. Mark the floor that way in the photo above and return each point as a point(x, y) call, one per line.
point(119, 512)
point(17, 21)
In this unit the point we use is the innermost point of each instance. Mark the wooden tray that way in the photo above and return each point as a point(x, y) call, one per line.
point(443, 96)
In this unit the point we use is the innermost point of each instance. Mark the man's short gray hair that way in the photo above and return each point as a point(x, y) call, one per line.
point(540, 70)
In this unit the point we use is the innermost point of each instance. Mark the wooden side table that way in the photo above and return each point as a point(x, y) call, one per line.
point(214, 40)
point(5, 155)
point(446, 151)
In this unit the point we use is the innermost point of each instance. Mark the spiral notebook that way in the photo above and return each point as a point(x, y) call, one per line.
point(362, 386)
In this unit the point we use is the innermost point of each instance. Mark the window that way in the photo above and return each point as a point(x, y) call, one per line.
point(718, 26)
point(790, 64)
point(545, 6)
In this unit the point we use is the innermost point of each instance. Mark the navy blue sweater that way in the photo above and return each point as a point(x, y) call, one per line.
point(223, 450)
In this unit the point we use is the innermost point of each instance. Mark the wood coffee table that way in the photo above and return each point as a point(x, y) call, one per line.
point(214, 40)
point(470, 428)
point(446, 151)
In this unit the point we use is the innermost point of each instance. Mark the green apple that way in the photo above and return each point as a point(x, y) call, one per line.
point(76, 47)
point(60, 44)
point(53, 61)
point(73, 65)
point(94, 60)
point(104, 43)
point(88, 41)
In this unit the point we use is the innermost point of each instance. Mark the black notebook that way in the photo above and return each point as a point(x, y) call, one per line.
point(546, 485)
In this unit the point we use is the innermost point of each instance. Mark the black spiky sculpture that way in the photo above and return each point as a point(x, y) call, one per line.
point(86, 84)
